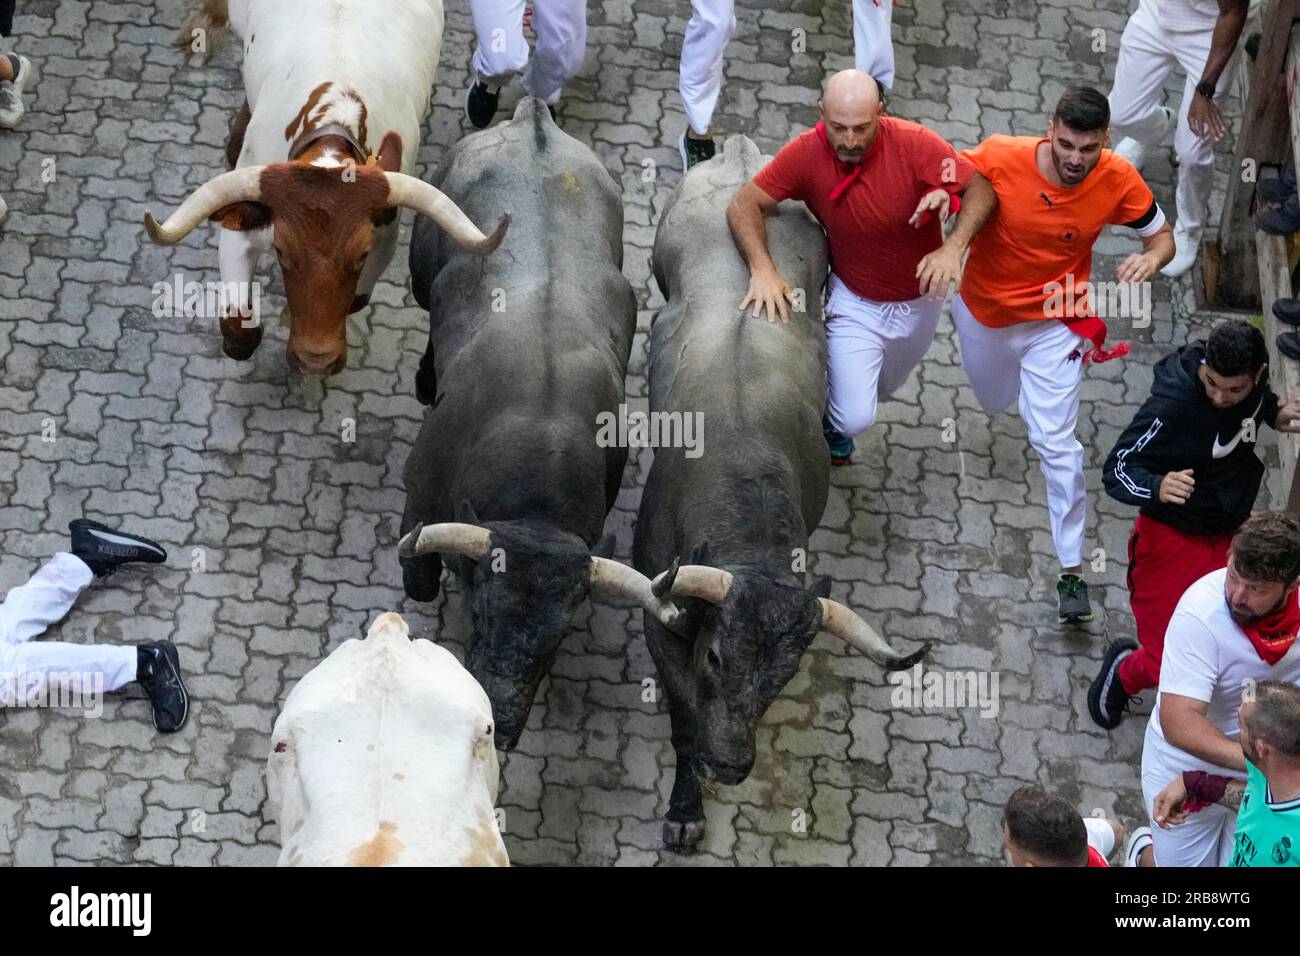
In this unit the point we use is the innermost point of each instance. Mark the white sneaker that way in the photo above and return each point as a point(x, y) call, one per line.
point(1139, 841)
point(11, 93)
point(4, 209)
point(1135, 151)
point(1186, 248)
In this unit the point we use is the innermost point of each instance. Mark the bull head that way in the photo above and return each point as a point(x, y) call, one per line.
point(324, 219)
point(752, 632)
point(525, 580)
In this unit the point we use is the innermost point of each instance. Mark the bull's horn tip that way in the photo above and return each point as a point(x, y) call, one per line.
point(151, 226)
point(406, 547)
point(903, 663)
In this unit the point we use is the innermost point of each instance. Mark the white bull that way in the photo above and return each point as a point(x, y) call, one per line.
point(383, 756)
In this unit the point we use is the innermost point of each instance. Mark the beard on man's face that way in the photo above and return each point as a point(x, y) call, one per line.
point(1242, 614)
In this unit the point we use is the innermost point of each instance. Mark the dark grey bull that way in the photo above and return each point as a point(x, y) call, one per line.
point(525, 350)
point(732, 524)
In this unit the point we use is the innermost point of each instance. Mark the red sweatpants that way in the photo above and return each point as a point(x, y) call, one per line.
point(1162, 564)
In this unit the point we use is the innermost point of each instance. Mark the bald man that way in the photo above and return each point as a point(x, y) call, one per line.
point(881, 188)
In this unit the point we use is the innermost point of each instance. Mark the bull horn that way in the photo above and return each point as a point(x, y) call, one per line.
point(411, 193)
point(844, 623)
point(449, 537)
point(615, 579)
point(238, 185)
point(701, 581)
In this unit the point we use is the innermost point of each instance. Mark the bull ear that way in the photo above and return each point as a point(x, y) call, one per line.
point(606, 546)
point(390, 153)
point(243, 216)
point(821, 587)
point(465, 512)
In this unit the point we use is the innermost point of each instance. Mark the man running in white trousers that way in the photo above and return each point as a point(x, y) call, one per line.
point(502, 52)
point(880, 187)
point(1233, 629)
point(1200, 38)
point(1023, 315)
point(712, 25)
point(40, 671)
point(873, 43)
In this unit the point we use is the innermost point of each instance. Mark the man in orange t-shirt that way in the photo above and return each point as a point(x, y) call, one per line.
point(1025, 315)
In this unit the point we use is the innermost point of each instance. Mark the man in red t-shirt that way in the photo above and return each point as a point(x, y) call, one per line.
point(880, 187)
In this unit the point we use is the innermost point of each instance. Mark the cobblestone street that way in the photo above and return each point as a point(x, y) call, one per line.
point(282, 535)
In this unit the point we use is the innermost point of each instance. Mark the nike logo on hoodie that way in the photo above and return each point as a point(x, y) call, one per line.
point(1223, 451)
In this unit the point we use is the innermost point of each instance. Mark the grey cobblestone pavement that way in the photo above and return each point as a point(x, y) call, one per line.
point(235, 465)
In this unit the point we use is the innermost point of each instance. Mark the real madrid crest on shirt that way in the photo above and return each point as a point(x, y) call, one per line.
point(1282, 851)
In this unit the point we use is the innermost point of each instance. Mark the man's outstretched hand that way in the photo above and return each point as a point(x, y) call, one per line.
point(768, 290)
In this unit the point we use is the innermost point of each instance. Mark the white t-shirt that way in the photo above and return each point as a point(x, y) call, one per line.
point(1185, 16)
point(1208, 658)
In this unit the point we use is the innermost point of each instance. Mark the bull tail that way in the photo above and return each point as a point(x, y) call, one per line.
point(205, 30)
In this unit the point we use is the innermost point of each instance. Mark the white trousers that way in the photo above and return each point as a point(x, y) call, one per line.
point(712, 24)
point(30, 608)
point(1205, 838)
point(1147, 54)
point(873, 44)
point(502, 51)
point(873, 347)
point(1032, 359)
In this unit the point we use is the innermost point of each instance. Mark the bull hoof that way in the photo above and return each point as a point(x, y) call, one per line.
point(420, 583)
point(359, 302)
point(684, 836)
point(241, 349)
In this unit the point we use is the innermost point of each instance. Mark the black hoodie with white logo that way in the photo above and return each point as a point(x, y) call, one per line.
point(1178, 427)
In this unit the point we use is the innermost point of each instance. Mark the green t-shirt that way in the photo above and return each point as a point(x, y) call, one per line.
point(1268, 833)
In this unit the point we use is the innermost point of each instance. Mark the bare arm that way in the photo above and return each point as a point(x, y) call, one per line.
point(941, 269)
point(1203, 116)
point(1185, 726)
point(1157, 250)
point(767, 288)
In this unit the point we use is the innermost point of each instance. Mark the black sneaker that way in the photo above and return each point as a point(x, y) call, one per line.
point(481, 104)
point(695, 151)
point(1288, 343)
point(158, 671)
point(1287, 310)
point(1278, 190)
point(840, 445)
point(1072, 595)
point(1280, 220)
point(1107, 699)
point(105, 550)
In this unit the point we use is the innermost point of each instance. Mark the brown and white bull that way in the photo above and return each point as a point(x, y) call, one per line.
point(326, 80)
point(383, 756)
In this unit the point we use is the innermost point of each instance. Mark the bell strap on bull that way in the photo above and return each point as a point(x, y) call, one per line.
point(329, 129)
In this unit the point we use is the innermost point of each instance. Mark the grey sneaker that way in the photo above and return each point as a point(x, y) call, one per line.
point(11, 91)
point(1072, 595)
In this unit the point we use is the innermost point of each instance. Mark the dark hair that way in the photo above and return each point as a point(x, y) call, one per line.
point(1267, 548)
point(1276, 716)
point(1236, 347)
point(1046, 826)
point(1083, 109)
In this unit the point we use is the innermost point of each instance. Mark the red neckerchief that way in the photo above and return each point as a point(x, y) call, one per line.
point(847, 178)
point(1095, 858)
point(1273, 636)
point(1094, 330)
